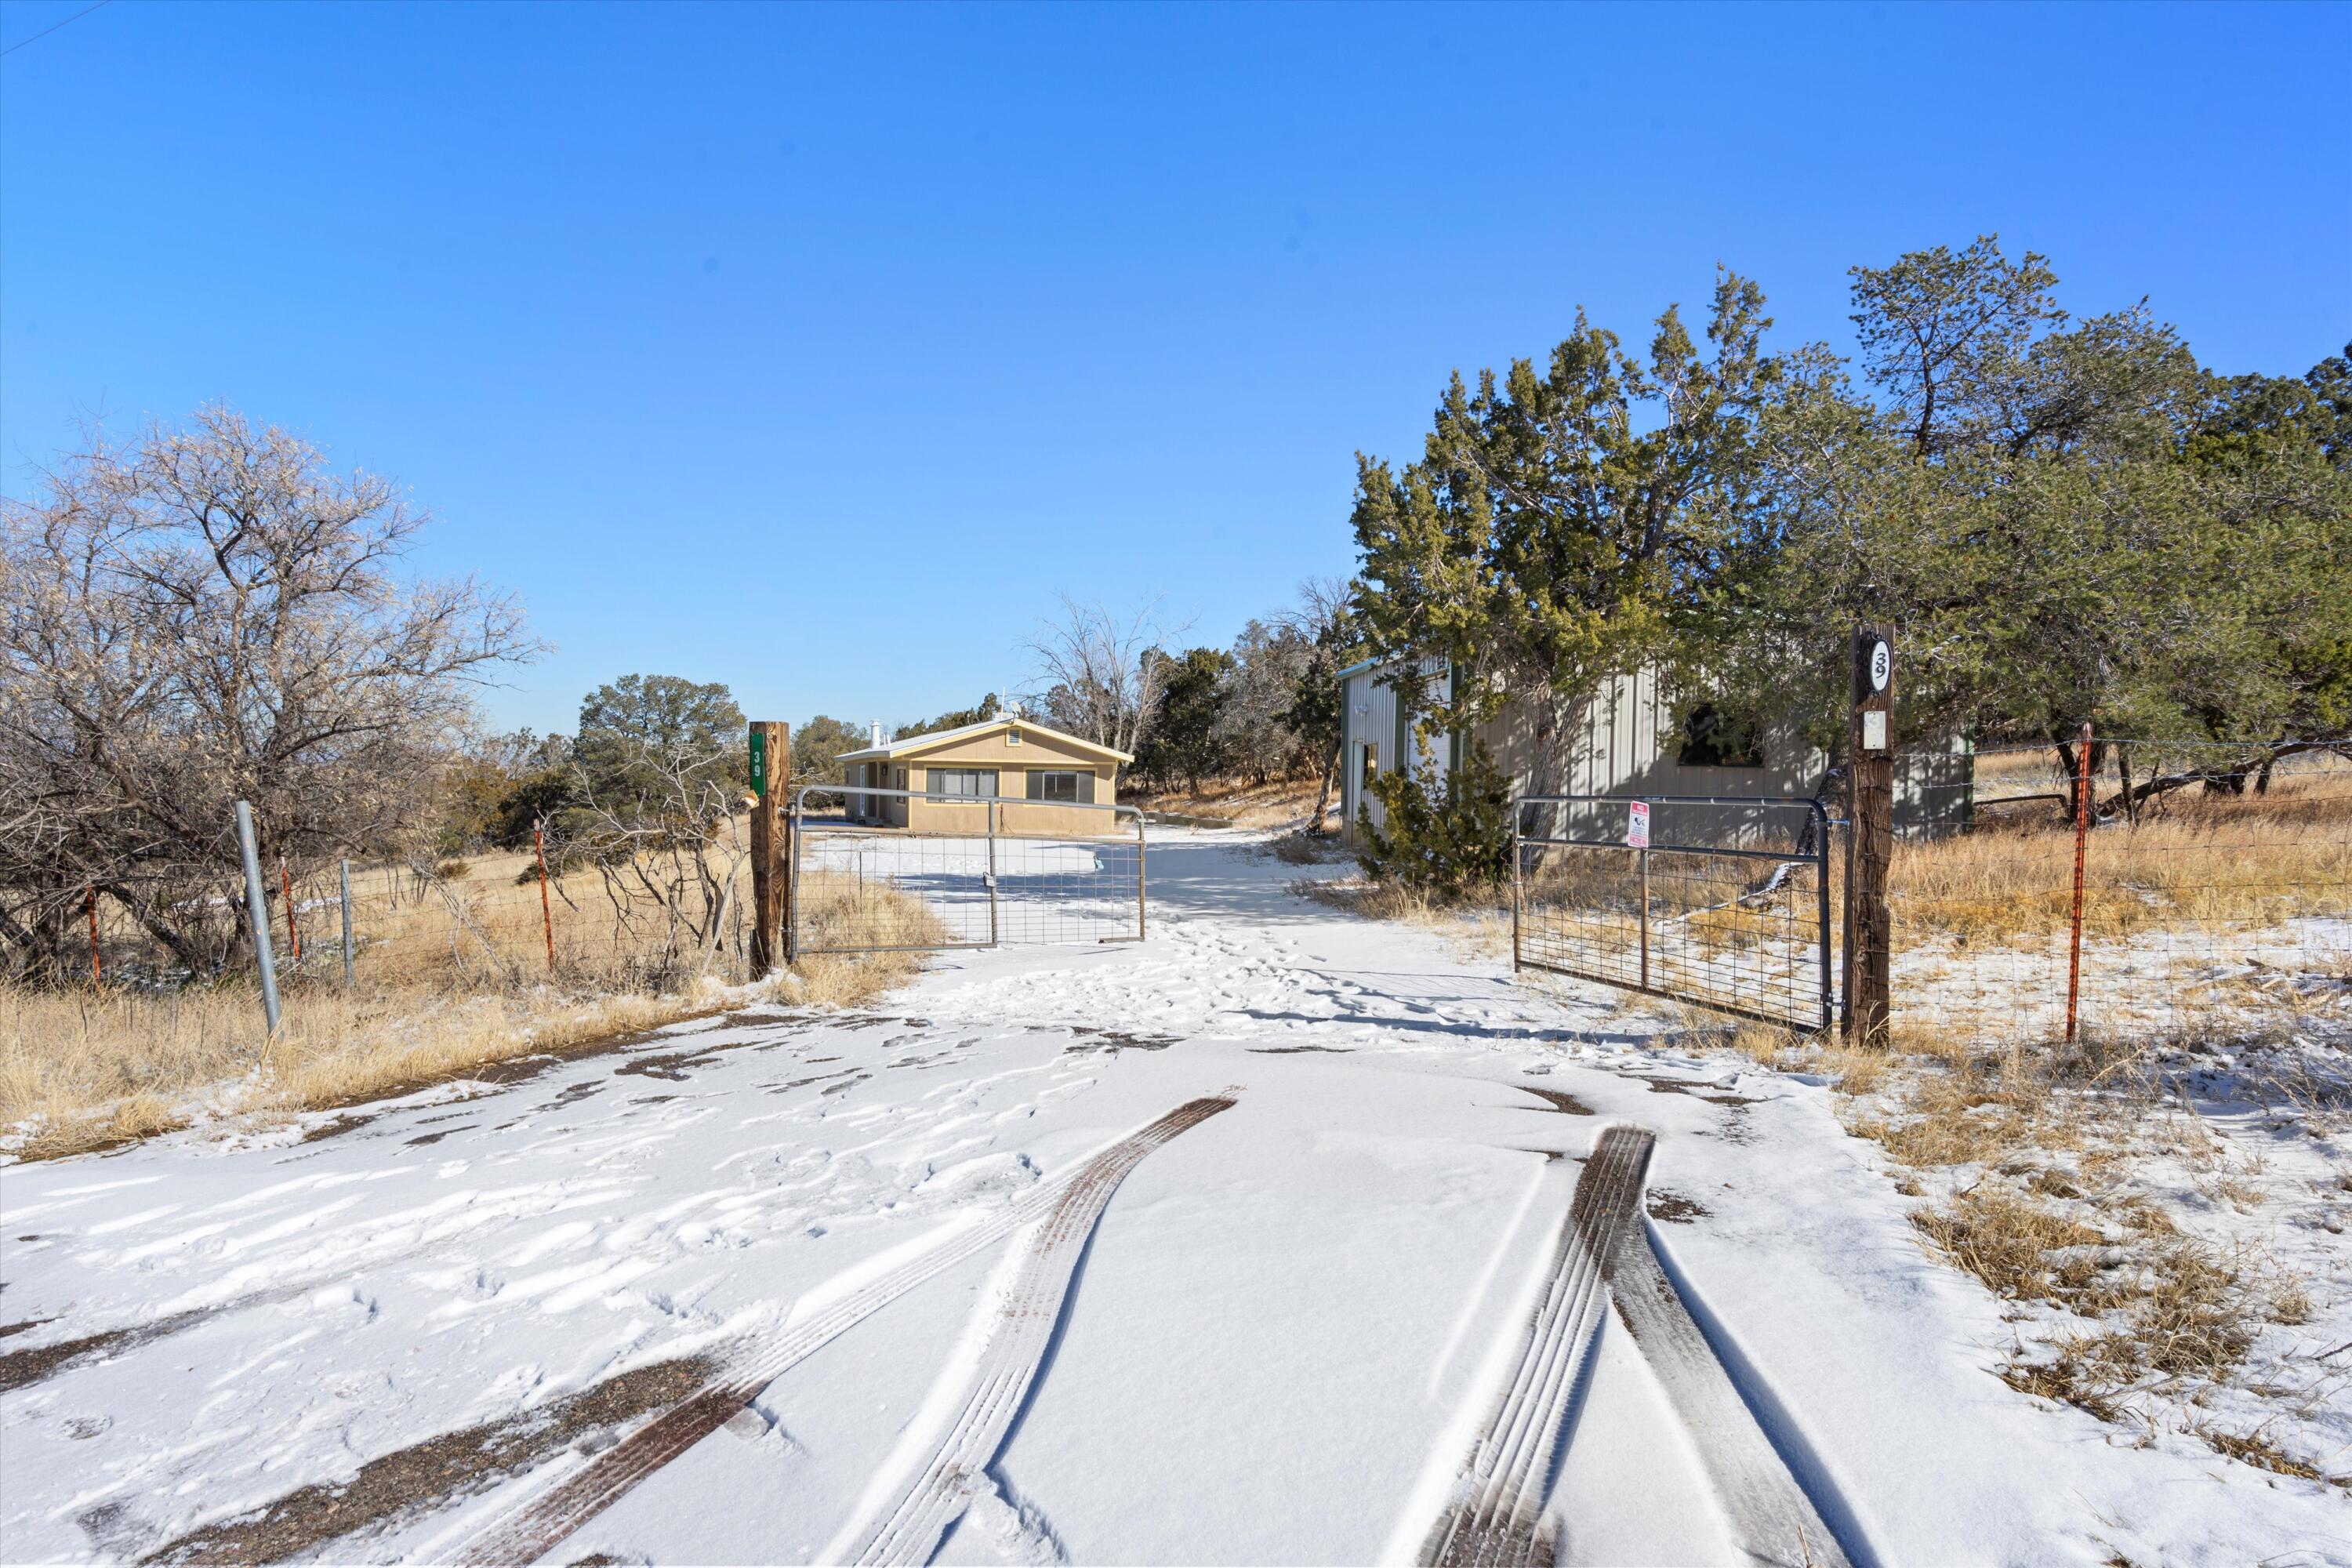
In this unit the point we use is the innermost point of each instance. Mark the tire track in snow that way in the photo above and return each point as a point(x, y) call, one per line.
point(1605, 1253)
point(1772, 1521)
point(1496, 1514)
point(909, 1531)
point(545, 1522)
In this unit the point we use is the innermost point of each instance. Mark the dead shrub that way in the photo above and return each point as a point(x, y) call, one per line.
point(1303, 849)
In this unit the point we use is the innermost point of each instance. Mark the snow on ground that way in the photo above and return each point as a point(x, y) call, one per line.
point(1289, 1326)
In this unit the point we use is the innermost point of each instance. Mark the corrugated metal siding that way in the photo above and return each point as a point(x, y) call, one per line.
point(1629, 745)
point(1371, 715)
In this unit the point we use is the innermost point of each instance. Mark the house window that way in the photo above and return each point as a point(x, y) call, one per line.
point(979, 783)
point(1057, 786)
point(1711, 740)
point(1012, 737)
point(897, 778)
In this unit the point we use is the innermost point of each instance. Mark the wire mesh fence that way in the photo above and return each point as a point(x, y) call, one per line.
point(639, 918)
point(1002, 873)
point(1716, 901)
point(2215, 896)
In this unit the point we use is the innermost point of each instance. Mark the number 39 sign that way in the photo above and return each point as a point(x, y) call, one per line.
point(1637, 824)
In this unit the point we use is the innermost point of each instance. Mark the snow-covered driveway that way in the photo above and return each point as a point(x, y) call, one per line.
point(374, 1337)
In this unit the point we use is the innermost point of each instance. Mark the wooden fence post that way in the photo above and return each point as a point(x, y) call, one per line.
point(1870, 842)
point(772, 773)
point(97, 973)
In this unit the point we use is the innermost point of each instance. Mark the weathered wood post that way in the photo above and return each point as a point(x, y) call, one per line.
point(1870, 842)
point(771, 774)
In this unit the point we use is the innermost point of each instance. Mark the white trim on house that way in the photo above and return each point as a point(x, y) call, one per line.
point(914, 745)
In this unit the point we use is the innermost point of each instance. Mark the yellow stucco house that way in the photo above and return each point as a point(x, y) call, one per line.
point(1009, 759)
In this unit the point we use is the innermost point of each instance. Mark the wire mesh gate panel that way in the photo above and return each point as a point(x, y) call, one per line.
point(1718, 900)
point(1015, 877)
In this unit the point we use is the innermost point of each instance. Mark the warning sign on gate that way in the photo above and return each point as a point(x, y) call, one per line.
point(1637, 824)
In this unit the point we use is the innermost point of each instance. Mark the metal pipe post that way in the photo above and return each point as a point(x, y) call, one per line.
point(1139, 917)
point(1644, 854)
point(1516, 852)
point(792, 910)
point(2081, 831)
point(547, 910)
point(1822, 892)
point(349, 981)
point(256, 911)
point(991, 810)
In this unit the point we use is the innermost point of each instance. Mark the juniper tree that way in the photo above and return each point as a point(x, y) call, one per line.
point(1566, 525)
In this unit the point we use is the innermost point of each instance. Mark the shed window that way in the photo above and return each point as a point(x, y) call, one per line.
point(1711, 740)
point(1072, 787)
point(979, 783)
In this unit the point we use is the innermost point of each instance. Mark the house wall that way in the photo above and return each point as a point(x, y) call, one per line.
point(1629, 743)
point(1012, 764)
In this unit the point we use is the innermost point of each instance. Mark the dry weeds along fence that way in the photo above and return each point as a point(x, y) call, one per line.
point(451, 971)
point(2215, 897)
point(2138, 1194)
point(2149, 1196)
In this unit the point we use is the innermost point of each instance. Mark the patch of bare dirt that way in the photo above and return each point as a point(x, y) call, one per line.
point(1566, 1104)
point(408, 1480)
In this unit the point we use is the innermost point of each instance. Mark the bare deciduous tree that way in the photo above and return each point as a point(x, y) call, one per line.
point(1253, 729)
point(1097, 680)
point(204, 614)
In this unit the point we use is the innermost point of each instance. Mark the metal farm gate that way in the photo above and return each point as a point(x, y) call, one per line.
point(1718, 900)
point(998, 873)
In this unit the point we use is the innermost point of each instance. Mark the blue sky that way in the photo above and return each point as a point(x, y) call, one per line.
point(817, 350)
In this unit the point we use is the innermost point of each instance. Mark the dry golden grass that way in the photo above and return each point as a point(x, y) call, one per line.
point(90, 1070)
point(2045, 1143)
point(1279, 803)
point(1853, 1070)
point(2250, 861)
point(2005, 1240)
point(2169, 1310)
point(2253, 1448)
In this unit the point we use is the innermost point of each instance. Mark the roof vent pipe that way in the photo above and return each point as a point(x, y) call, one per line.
point(874, 734)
